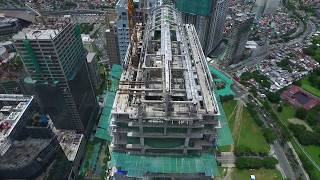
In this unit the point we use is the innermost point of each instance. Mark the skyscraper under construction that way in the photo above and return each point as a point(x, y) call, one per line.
point(164, 118)
point(208, 17)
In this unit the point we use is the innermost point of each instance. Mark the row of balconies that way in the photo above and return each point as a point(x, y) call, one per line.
point(162, 135)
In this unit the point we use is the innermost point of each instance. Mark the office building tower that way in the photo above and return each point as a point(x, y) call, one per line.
point(165, 115)
point(8, 26)
point(112, 43)
point(122, 28)
point(55, 59)
point(31, 146)
point(208, 17)
point(239, 37)
point(27, 146)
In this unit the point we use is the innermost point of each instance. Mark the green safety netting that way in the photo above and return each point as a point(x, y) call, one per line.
point(103, 134)
point(222, 78)
point(103, 125)
point(102, 131)
point(94, 155)
point(116, 71)
point(138, 165)
point(224, 133)
point(114, 84)
point(91, 159)
point(198, 7)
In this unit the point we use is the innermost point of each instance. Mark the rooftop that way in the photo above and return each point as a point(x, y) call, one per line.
point(11, 68)
point(22, 152)
point(69, 141)
point(49, 31)
point(90, 57)
point(12, 108)
point(176, 71)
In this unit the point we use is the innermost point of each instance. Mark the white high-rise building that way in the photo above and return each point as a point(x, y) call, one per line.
point(123, 22)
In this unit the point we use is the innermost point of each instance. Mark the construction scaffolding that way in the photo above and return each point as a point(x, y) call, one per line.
point(102, 131)
point(165, 104)
point(197, 7)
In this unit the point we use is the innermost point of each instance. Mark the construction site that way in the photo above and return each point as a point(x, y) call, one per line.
point(27, 146)
point(11, 73)
point(164, 120)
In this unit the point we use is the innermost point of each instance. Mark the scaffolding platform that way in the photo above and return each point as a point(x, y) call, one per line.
point(114, 77)
point(103, 125)
point(227, 91)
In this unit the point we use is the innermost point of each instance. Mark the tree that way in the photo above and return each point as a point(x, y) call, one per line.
point(253, 90)
point(301, 113)
point(313, 117)
point(273, 97)
point(226, 98)
point(297, 83)
point(304, 136)
point(255, 163)
point(279, 108)
point(269, 135)
point(314, 79)
point(246, 76)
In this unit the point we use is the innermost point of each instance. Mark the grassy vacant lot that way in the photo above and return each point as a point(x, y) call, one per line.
point(300, 122)
point(314, 152)
point(261, 174)
point(305, 84)
point(228, 108)
point(287, 112)
point(251, 135)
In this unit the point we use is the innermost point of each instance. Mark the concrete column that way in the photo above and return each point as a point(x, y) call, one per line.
point(186, 141)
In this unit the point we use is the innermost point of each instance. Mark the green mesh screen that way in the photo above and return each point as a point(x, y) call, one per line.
point(224, 133)
point(138, 166)
point(198, 7)
point(103, 125)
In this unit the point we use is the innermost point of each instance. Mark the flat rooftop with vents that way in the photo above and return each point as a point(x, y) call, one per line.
point(12, 108)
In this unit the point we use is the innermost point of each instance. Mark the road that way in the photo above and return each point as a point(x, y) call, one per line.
point(283, 161)
point(279, 152)
point(278, 149)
